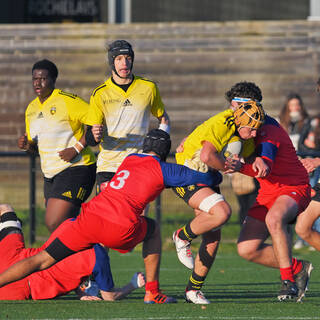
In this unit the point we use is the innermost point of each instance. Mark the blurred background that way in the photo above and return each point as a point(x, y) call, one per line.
point(194, 50)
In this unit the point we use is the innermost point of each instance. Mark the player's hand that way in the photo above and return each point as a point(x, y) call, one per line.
point(68, 154)
point(23, 142)
point(90, 298)
point(180, 146)
point(309, 164)
point(260, 167)
point(232, 164)
point(97, 131)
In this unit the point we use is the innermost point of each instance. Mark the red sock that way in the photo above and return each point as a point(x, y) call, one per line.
point(287, 274)
point(296, 266)
point(152, 286)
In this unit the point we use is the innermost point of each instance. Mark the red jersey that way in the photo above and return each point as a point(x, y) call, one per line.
point(275, 147)
point(58, 280)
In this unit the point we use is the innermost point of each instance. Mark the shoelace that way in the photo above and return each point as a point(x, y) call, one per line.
point(189, 252)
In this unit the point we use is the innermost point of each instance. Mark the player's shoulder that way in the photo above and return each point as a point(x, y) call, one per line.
point(145, 81)
point(99, 88)
point(66, 94)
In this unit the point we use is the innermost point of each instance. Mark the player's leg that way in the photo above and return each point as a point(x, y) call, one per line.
point(284, 211)
point(306, 219)
point(57, 211)
point(152, 255)
point(25, 267)
point(66, 192)
point(251, 243)
point(203, 262)
point(212, 212)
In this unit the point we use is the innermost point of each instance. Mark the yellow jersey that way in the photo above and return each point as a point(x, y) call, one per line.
point(126, 117)
point(54, 125)
point(218, 130)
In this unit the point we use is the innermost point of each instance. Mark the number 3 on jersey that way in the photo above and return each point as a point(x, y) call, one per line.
point(120, 178)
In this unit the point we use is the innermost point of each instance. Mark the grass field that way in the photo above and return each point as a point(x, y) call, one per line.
point(236, 288)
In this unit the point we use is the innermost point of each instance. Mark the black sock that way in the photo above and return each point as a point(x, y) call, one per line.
point(195, 282)
point(186, 233)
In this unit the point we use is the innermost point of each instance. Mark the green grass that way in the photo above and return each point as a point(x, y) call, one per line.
point(237, 289)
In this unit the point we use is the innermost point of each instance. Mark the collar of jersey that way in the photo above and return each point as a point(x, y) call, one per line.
point(110, 83)
point(53, 94)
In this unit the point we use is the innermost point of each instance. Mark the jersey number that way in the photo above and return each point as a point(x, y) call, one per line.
point(120, 178)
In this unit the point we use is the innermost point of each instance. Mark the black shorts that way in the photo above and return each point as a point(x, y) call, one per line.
point(315, 193)
point(73, 184)
point(102, 178)
point(185, 193)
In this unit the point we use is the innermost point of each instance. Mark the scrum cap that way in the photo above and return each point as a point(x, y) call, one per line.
point(117, 48)
point(249, 114)
point(157, 141)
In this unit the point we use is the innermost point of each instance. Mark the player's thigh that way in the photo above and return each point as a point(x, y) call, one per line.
point(284, 210)
point(253, 233)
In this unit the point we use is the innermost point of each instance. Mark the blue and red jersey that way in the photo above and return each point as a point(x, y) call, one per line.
point(274, 146)
point(138, 181)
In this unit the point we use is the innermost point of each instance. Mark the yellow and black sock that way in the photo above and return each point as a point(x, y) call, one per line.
point(186, 233)
point(195, 282)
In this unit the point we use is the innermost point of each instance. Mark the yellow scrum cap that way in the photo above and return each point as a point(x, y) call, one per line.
point(249, 114)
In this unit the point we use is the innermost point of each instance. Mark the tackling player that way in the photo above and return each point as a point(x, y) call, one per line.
point(55, 128)
point(114, 217)
point(60, 279)
point(284, 193)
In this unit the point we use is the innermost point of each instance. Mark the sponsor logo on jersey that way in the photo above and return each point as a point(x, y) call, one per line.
point(127, 103)
point(40, 115)
point(67, 194)
point(53, 110)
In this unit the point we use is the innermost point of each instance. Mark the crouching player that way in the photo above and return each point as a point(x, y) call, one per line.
point(113, 218)
point(63, 277)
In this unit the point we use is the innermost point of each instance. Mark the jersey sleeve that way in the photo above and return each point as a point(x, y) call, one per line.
point(157, 107)
point(102, 271)
point(175, 175)
point(95, 114)
point(77, 109)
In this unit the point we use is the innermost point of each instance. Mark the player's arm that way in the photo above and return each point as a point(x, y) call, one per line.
point(70, 153)
point(164, 122)
point(27, 145)
point(211, 157)
point(175, 175)
point(25, 267)
point(261, 165)
point(137, 281)
point(310, 164)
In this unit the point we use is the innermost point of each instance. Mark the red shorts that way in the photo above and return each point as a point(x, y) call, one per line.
point(12, 250)
point(89, 229)
point(301, 194)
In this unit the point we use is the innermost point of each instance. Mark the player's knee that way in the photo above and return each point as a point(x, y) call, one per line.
point(218, 208)
point(9, 222)
point(302, 231)
point(273, 223)
point(245, 251)
point(5, 208)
